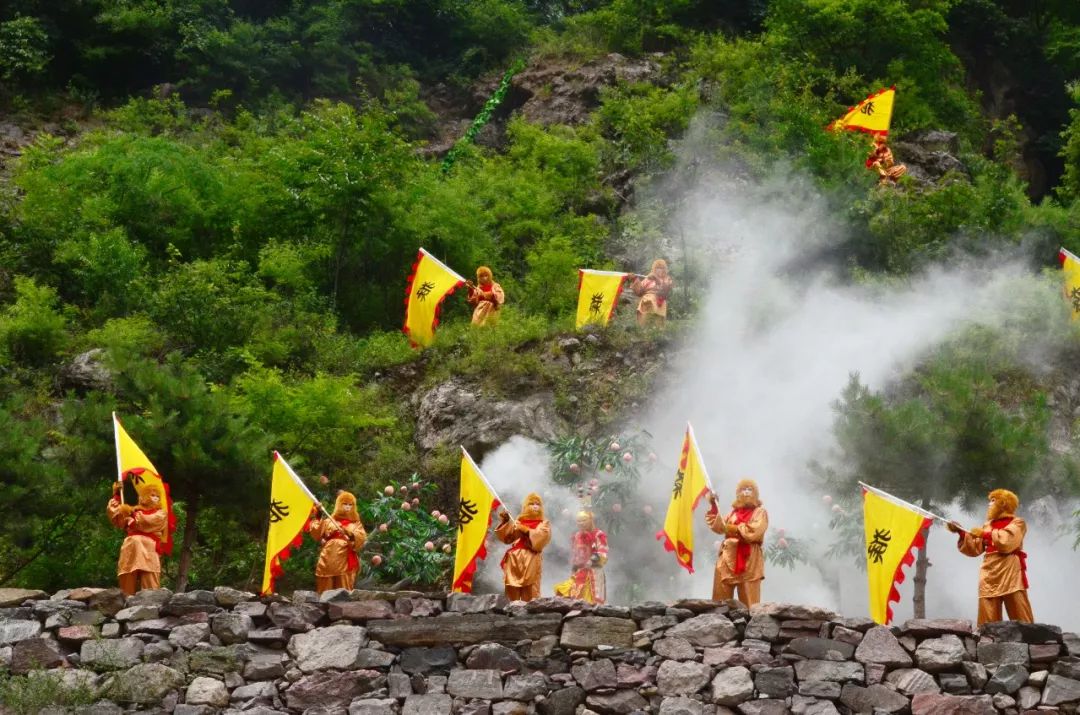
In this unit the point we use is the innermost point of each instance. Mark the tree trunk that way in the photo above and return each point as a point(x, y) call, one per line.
point(191, 532)
point(922, 563)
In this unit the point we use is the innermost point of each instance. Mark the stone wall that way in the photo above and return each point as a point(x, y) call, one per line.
point(368, 653)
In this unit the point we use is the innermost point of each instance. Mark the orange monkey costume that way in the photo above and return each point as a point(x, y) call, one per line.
point(139, 565)
point(522, 564)
point(338, 562)
point(740, 565)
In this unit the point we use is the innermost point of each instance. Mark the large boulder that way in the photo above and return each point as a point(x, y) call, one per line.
point(145, 683)
point(330, 689)
point(705, 630)
point(111, 654)
point(588, 632)
point(207, 691)
point(879, 645)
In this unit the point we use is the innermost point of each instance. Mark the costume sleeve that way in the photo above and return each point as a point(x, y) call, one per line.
point(359, 536)
point(150, 522)
point(118, 513)
point(540, 536)
point(317, 527)
point(970, 545)
point(507, 531)
point(753, 531)
point(712, 518)
point(497, 294)
point(1010, 538)
point(664, 287)
point(601, 547)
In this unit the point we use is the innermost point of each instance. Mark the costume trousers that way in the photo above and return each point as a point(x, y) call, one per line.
point(138, 580)
point(523, 593)
point(1016, 605)
point(749, 591)
point(345, 580)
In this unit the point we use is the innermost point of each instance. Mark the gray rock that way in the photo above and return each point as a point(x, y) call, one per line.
point(635, 676)
point(331, 689)
point(620, 702)
point(207, 691)
point(264, 664)
point(360, 610)
point(775, 682)
point(187, 637)
point(595, 674)
point(525, 687)
point(14, 631)
point(424, 660)
point(995, 655)
point(589, 632)
point(475, 603)
point(936, 655)
point(335, 647)
point(847, 635)
point(485, 684)
point(1068, 667)
point(708, 629)
point(839, 672)
point(415, 606)
point(108, 601)
point(562, 702)
point(1038, 678)
point(879, 645)
point(10, 597)
point(928, 627)
point(742, 655)
point(976, 674)
point(680, 706)
point(954, 683)
point(1071, 642)
point(912, 680)
point(681, 678)
point(1028, 697)
point(268, 636)
point(1060, 690)
point(75, 635)
point(182, 604)
point(1003, 702)
point(801, 705)
point(762, 627)
point(144, 683)
point(1007, 679)
point(228, 597)
point(255, 609)
point(820, 689)
point(939, 704)
point(872, 699)
point(185, 709)
point(217, 660)
point(231, 627)
point(137, 613)
point(492, 656)
point(155, 626)
point(254, 691)
point(35, 653)
point(816, 648)
point(465, 629)
point(157, 651)
point(373, 706)
point(675, 649)
point(732, 686)
point(150, 597)
point(1044, 652)
point(114, 654)
point(295, 617)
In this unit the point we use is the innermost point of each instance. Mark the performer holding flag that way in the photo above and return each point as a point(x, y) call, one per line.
point(598, 294)
point(149, 526)
point(691, 483)
point(342, 536)
point(873, 116)
point(740, 565)
point(477, 502)
point(431, 281)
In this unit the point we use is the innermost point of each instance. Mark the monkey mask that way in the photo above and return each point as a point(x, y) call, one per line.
point(532, 508)
point(1003, 503)
point(151, 497)
point(345, 507)
point(484, 276)
point(746, 494)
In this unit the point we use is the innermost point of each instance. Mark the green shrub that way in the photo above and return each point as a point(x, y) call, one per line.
point(32, 329)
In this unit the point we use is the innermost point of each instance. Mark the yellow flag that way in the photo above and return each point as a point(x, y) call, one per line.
point(431, 281)
point(290, 508)
point(892, 533)
point(598, 293)
point(475, 507)
point(1070, 264)
point(872, 115)
point(133, 464)
point(691, 483)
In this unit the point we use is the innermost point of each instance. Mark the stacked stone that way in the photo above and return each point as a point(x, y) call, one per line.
point(401, 653)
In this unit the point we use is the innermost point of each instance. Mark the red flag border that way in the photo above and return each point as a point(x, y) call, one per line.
point(408, 293)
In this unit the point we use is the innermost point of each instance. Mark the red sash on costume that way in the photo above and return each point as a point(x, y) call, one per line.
point(523, 541)
point(742, 553)
point(988, 542)
point(353, 562)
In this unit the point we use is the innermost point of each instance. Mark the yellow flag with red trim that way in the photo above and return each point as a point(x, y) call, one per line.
point(290, 508)
point(892, 533)
point(429, 284)
point(132, 463)
point(873, 115)
point(1070, 266)
point(476, 504)
point(598, 294)
point(691, 483)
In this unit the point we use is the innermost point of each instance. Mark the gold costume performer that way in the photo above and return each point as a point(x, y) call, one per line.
point(139, 566)
point(741, 562)
point(654, 290)
point(487, 296)
point(338, 562)
point(528, 535)
point(588, 554)
point(1003, 575)
point(882, 161)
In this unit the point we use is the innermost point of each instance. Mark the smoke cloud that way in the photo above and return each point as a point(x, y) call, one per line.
point(779, 332)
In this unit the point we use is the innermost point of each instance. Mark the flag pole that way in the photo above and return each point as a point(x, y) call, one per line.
point(701, 460)
point(909, 505)
point(465, 453)
point(119, 467)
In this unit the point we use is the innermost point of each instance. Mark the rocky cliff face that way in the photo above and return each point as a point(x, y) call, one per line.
point(368, 653)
